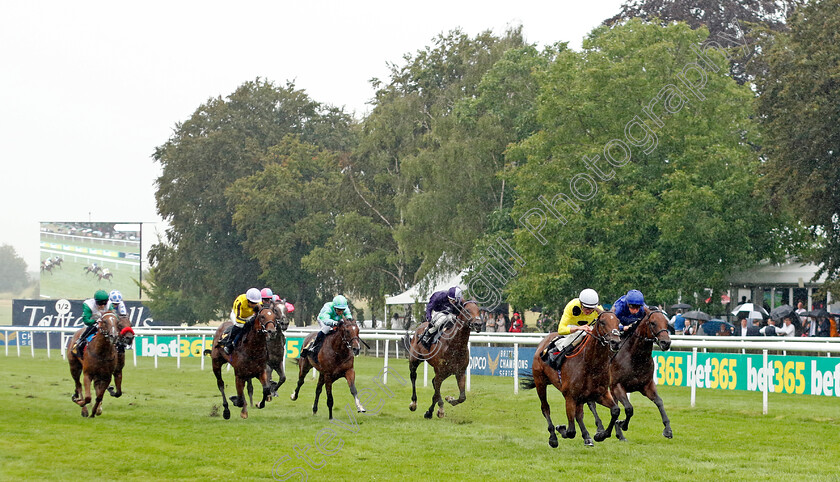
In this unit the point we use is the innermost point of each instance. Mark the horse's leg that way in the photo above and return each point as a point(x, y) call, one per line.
point(620, 395)
point(540, 385)
point(462, 386)
point(86, 399)
point(250, 386)
point(571, 408)
point(584, 433)
point(608, 401)
point(436, 382)
point(412, 372)
point(650, 391)
point(100, 385)
point(329, 381)
point(220, 383)
point(266, 390)
point(117, 383)
point(592, 409)
point(350, 375)
point(318, 392)
point(305, 366)
point(76, 374)
point(240, 397)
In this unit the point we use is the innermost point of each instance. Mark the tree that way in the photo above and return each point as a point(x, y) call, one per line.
point(675, 206)
point(799, 115)
point(721, 18)
point(13, 275)
point(203, 257)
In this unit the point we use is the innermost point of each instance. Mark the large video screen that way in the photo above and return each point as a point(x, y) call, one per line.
point(79, 258)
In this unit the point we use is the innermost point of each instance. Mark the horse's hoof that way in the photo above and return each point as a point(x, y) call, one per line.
point(294, 396)
point(623, 424)
point(99, 410)
point(226, 414)
point(413, 406)
point(440, 414)
point(588, 443)
point(552, 442)
point(449, 399)
point(84, 412)
point(244, 415)
point(600, 436)
point(667, 433)
point(261, 405)
point(362, 410)
point(427, 414)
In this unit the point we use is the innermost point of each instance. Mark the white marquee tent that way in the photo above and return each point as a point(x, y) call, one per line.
point(416, 295)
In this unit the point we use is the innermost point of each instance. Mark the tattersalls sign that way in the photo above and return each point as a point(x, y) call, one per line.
point(64, 313)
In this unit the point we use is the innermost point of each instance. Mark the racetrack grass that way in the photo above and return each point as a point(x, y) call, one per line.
point(70, 280)
point(164, 427)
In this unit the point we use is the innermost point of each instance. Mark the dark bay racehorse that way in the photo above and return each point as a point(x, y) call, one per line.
point(98, 362)
point(248, 359)
point(584, 377)
point(92, 269)
point(124, 340)
point(448, 356)
point(632, 368)
point(335, 360)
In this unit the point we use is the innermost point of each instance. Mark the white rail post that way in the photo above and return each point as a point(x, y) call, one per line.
point(397, 349)
point(61, 346)
point(134, 349)
point(32, 343)
point(49, 351)
point(469, 370)
point(694, 377)
point(516, 368)
point(154, 341)
point(377, 348)
point(768, 377)
point(17, 342)
point(17, 338)
point(178, 347)
point(204, 343)
point(425, 373)
point(385, 368)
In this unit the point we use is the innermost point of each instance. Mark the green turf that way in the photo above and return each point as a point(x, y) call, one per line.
point(166, 427)
point(70, 280)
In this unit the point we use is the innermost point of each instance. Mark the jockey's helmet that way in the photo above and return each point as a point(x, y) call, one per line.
point(588, 298)
point(339, 302)
point(455, 294)
point(253, 295)
point(101, 296)
point(266, 293)
point(115, 297)
point(635, 297)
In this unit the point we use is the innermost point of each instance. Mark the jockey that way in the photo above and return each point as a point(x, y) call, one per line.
point(577, 317)
point(443, 307)
point(116, 303)
point(92, 311)
point(267, 297)
point(332, 313)
point(629, 309)
point(243, 312)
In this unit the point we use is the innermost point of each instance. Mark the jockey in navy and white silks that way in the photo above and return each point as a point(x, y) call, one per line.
point(116, 303)
point(629, 309)
point(442, 308)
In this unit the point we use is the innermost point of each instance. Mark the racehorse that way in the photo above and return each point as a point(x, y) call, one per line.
point(584, 376)
point(57, 261)
point(335, 360)
point(248, 359)
point(448, 356)
point(632, 368)
point(98, 363)
point(47, 267)
point(92, 269)
point(105, 275)
point(124, 340)
point(277, 349)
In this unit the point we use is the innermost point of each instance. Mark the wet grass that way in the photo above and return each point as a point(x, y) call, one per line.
point(168, 425)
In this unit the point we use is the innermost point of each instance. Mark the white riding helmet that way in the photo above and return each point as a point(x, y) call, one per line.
point(588, 298)
point(115, 297)
point(253, 295)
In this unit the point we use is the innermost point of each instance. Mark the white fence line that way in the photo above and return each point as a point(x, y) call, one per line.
point(821, 345)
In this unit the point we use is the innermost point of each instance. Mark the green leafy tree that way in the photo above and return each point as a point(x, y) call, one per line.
point(798, 111)
point(13, 275)
point(203, 257)
point(677, 208)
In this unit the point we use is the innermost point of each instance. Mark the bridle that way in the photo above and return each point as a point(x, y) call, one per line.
point(602, 337)
point(349, 341)
point(474, 322)
point(264, 327)
point(108, 329)
point(648, 321)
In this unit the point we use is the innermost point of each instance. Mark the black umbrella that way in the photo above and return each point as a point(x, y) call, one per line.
point(681, 306)
point(780, 312)
point(696, 315)
point(815, 313)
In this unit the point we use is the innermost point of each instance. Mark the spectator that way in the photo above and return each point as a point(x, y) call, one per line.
point(724, 330)
point(755, 328)
point(744, 326)
point(516, 323)
point(823, 326)
point(679, 323)
point(503, 325)
point(770, 329)
point(787, 328)
point(491, 322)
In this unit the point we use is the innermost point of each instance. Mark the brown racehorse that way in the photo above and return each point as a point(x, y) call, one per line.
point(632, 368)
point(448, 356)
point(98, 363)
point(277, 349)
point(124, 340)
point(335, 360)
point(248, 359)
point(584, 377)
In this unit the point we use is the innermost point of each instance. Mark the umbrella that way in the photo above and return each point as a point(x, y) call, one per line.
point(712, 327)
point(815, 313)
point(696, 315)
point(747, 307)
point(681, 306)
point(781, 312)
point(754, 315)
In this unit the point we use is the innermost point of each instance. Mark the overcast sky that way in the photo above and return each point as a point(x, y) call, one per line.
point(89, 89)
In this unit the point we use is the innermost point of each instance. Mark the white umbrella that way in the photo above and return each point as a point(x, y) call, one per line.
point(754, 315)
point(748, 307)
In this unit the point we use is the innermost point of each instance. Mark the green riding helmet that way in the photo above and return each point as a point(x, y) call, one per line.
point(340, 302)
point(100, 295)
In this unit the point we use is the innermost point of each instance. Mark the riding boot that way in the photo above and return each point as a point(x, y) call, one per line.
point(79, 347)
point(316, 345)
point(428, 337)
point(230, 343)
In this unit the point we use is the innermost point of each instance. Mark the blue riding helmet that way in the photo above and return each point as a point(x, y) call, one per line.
point(635, 297)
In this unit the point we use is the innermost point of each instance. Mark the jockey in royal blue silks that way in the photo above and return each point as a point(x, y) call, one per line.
point(443, 307)
point(630, 309)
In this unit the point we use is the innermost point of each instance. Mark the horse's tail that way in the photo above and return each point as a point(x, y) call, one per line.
point(526, 380)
